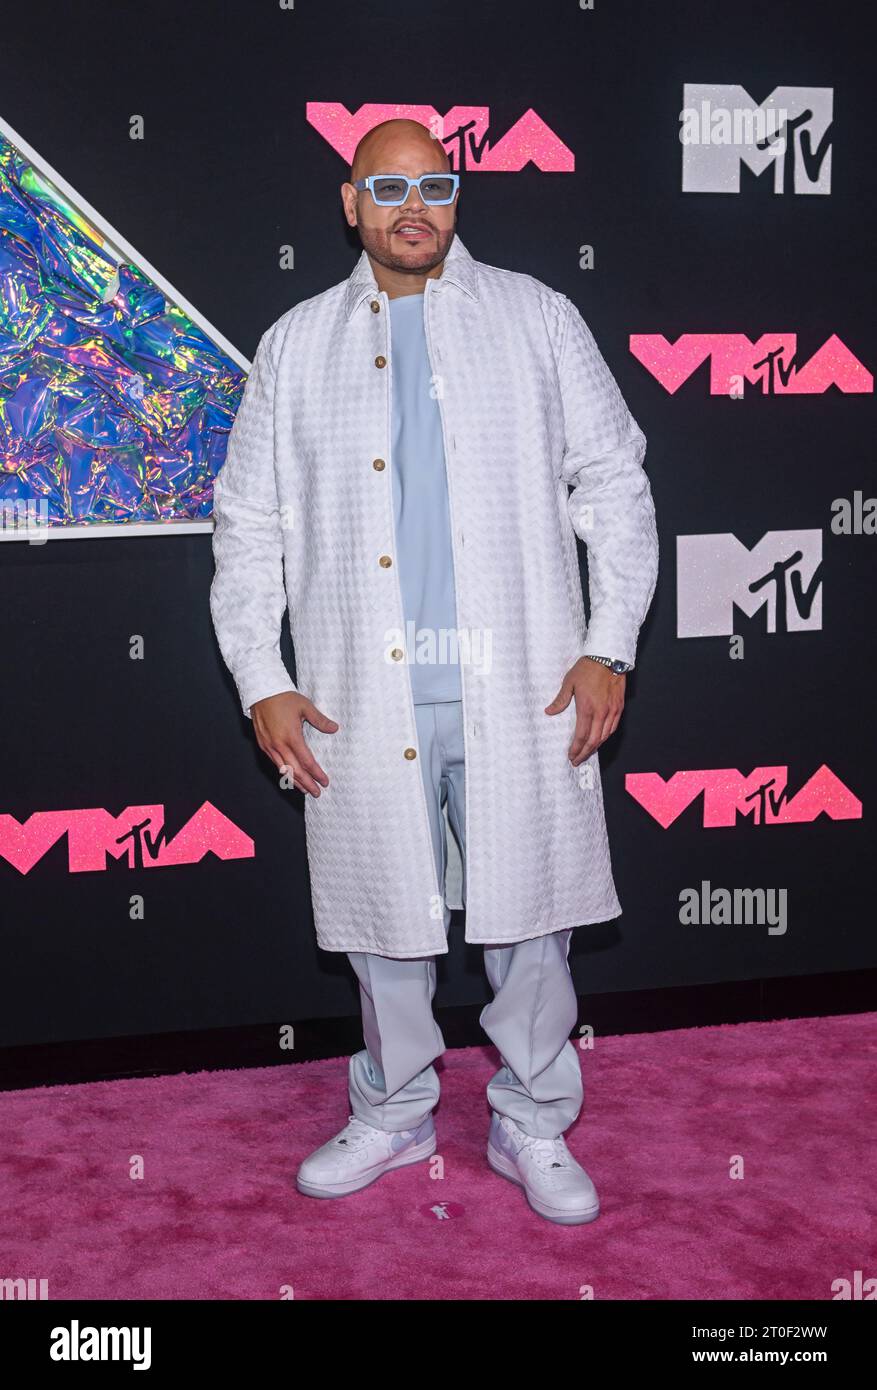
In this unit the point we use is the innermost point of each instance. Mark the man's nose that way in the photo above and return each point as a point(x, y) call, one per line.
point(414, 202)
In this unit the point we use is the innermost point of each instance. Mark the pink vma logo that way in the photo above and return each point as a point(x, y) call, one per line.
point(735, 359)
point(465, 130)
point(763, 796)
point(137, 833)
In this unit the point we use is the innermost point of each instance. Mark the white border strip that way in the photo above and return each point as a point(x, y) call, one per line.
point(119, 249)
point(38, 535)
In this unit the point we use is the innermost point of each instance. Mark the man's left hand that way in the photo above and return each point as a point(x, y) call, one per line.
point(599, 697)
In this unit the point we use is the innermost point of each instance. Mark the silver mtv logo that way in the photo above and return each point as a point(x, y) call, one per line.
point(781, 572)
point(721, 127)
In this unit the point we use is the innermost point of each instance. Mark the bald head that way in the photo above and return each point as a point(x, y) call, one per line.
point(383, 147)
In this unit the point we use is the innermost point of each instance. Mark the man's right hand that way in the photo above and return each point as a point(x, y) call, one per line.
point(278, 722)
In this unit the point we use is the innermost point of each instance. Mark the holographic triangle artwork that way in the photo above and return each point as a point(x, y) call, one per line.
point(116, 396)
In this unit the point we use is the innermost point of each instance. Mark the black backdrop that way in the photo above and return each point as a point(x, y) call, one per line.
point(229, 172)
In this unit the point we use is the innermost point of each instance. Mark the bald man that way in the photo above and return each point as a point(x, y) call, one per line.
point(402, 198)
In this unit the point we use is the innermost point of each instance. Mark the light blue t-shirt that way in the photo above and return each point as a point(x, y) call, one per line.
point(421, 511)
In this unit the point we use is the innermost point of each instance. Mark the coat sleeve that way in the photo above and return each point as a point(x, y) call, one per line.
point(247, 595)
point(611, 506)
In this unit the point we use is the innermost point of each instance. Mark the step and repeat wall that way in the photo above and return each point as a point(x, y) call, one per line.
point(169, 186)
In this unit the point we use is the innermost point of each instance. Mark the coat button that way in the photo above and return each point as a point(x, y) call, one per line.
point(380, 361)
point(397, 654)
point(375, 307)
point(379, 465)
point(385, 562)
point(410, 753)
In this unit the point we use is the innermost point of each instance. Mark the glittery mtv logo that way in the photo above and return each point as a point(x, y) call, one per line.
point(768, 361)
point(138, 834)
point(463, 130)
point(762, 796)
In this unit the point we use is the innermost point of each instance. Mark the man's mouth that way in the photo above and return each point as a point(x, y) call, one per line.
point(413, 231)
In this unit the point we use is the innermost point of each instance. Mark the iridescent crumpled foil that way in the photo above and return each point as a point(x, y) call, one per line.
point(114, 406)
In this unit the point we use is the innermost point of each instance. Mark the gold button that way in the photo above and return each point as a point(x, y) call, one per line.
point(410, 753)
point(379, 465)
point(385, 562)
point(396, 654)
point(380, 361)
point(375, 307)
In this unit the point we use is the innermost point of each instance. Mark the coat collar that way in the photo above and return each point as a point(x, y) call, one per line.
point(459, 269)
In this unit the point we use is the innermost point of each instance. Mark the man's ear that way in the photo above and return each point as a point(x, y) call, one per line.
point(349, 204)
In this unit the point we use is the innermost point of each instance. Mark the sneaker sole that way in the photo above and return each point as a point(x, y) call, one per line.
point(401, 1160)
point(506, 1169)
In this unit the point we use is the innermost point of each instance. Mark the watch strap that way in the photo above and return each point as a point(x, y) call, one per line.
point(617, 667)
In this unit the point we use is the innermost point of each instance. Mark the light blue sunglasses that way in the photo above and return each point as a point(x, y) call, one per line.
point(390, 190)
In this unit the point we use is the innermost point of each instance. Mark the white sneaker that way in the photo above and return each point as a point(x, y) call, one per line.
point(360, 1154)
point(556, 1185)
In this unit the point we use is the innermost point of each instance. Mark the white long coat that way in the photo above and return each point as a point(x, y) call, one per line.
point(304, 517)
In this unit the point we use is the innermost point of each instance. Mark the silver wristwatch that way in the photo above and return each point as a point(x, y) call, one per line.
point(617, 667)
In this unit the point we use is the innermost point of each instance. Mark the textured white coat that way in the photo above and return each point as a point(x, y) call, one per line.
point(304, 519)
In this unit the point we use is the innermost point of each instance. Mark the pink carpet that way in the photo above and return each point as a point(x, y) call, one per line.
point(216, 1215)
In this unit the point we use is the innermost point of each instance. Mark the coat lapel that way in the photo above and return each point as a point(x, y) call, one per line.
point(460, 268)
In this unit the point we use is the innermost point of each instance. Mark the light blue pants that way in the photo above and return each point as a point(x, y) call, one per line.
point(392, 1083)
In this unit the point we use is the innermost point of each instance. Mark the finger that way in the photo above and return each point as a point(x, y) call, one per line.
point(305, 758)
point(584, 723)
point(287, 761)
point(596, 734)
point(608, 725)
point(306, 784)
point(295, 749)
point(561, 699)
point(603, 725)
point(320, 720)
point(300, 778)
